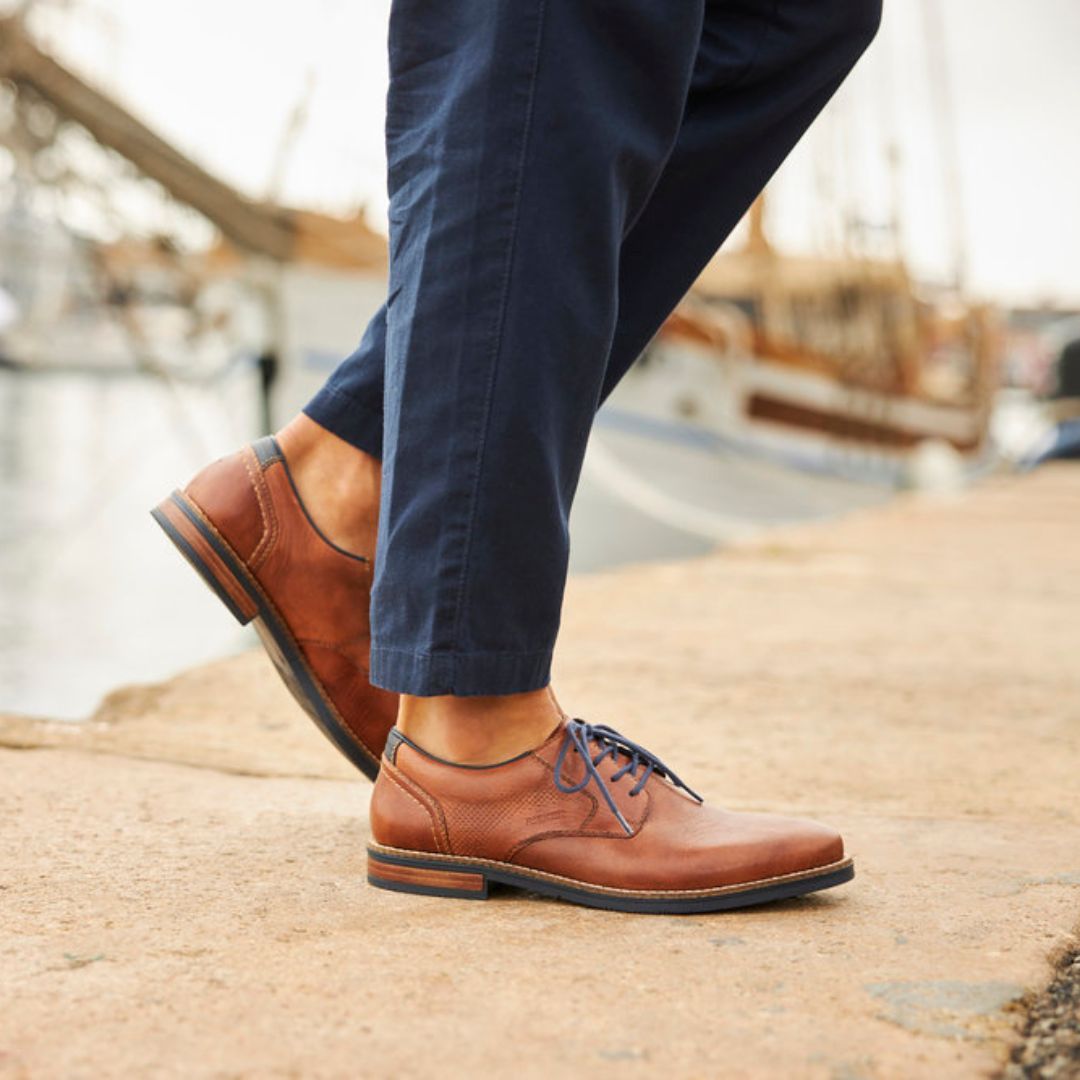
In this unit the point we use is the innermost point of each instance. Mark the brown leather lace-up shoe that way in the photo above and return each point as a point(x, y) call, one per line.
point(242, 526)
point(590, 817)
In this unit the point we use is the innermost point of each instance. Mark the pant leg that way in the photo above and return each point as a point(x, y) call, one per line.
point(743, 117)
point(350, 402)
point(522, 139)
point(763, 72)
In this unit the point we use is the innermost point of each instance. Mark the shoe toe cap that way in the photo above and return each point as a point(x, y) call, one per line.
point(762, 846)
point(797, 844)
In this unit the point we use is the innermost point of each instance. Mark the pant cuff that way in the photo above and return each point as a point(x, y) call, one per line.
point(462, 674)
point(354, 421)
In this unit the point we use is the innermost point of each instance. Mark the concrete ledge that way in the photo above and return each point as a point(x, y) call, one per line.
point(909, 674)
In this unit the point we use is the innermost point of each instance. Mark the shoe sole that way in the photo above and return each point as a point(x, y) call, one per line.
point(195, 537)
point(469, 879)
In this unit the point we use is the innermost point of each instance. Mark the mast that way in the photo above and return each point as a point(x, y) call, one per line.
point(757, 243)
point(937, 65)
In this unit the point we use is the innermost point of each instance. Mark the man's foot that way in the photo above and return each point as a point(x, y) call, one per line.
point(590, 817)
point(242, 525)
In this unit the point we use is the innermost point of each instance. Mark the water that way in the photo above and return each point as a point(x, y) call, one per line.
point(93, 597)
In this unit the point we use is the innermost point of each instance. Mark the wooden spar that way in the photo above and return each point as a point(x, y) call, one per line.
point(263, 230)
point(266, 229)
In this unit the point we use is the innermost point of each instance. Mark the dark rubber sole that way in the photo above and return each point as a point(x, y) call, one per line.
point(233, 584)
point(470, 879)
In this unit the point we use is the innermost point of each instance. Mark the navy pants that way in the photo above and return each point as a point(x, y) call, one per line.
point(559, 173)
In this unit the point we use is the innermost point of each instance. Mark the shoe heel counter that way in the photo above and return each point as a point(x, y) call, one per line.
point(226, 492)
point(403, 815)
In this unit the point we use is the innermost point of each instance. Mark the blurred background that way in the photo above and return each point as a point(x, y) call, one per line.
point(192, 223)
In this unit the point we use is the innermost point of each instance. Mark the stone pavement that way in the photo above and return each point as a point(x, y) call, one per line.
point(181, 880)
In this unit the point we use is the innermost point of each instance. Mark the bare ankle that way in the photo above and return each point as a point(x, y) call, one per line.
point(479, 730)
point(337, 482)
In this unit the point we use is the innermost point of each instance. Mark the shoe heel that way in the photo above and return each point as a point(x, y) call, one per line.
point(180, 522)
point(425, 878)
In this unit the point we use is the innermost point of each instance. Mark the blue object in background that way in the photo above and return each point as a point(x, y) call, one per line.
point(1065, 445)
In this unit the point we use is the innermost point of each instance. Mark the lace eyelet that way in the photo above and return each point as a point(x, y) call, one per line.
point(579, 736)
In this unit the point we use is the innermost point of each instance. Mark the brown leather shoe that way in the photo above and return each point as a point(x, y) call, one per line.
point(241, 524)
point(590, 817)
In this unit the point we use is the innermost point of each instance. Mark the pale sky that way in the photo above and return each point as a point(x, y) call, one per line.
point(221, 78)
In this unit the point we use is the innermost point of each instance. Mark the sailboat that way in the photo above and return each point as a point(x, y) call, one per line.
point(841, 361)
point(835, 362)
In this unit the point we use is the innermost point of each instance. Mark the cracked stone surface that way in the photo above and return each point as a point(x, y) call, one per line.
point(182, 879)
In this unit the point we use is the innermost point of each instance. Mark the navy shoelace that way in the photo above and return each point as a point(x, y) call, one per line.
point(580, 735)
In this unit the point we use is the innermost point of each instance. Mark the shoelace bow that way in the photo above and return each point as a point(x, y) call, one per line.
point(578, 737)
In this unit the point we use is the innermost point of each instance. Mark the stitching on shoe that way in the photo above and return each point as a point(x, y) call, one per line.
point(419, 802)
point(431, 805)
point(562, 834)
point(588, 886)
point(246, 458)
point(266, 510)
point(592, 798)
